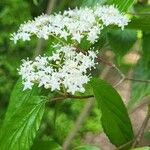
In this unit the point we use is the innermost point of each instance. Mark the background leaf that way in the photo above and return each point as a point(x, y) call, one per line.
point(115, 119)
point(123, 5)
point(141, 71)
point(122, 41)
point(140, 23)
point(46, 145)
point(22, 119)
point(146, 47)
point(142, 8)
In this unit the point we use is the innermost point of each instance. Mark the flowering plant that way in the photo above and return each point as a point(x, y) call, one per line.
point(70, 70)
point(67, 67)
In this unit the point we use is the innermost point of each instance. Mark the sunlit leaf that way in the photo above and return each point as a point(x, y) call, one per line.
point(22, 119)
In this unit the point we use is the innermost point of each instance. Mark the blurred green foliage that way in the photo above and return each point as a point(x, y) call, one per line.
point(57, 122)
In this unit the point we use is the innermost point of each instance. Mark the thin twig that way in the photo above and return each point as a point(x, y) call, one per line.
point(120, 81)
point(59, 39)
point(100, 59)
point(80, 97)
point(141, 130)
point(145, 101)
point(67, 96)
point(137, 80)
point(57, 99)
point(119, 71)
point(72, 97)
point(123, 77)
point(124, 145)
point(131, 79)
point(121, 74)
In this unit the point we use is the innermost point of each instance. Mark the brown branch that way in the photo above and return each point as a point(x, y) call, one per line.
point(72, 97)
point(137, 80)
point(141, 130)
point(100, 59)
point(57, 99)
point(67, 96)
point(80, 97)
point(145, 101)
point(124, 145)
point(123, 77)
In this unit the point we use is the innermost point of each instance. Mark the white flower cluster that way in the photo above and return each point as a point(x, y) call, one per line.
point(111, 16)
point(75, 24)
point(66, 68)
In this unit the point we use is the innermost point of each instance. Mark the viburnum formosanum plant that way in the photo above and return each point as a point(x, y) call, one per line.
point(66, 67)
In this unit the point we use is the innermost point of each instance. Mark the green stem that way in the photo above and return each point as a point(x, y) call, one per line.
point(60, 40)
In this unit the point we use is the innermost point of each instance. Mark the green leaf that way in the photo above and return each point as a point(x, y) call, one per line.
point(123, 5)
point(35, 2)
point(139, 90)
point(22, 119)
point(141, 71)
point(122, 41)
point(115, 119)
point(142, 8)
point(146, 47)
point(87, 147)
point(46, 145)
point(140, 23)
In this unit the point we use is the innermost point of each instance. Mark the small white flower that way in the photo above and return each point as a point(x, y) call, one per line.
point(77, 36)
point(64, 34)
point(93, 34)
point(27, 85)
point(111, 15)
point(14, 37)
